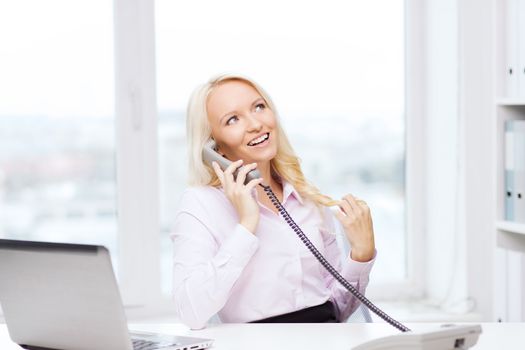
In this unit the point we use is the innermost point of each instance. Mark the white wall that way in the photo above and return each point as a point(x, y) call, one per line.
point(442, 239)
point(476, 106)
point(459, 243)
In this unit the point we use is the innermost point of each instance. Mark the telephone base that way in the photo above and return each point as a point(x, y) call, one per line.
point(448, 337)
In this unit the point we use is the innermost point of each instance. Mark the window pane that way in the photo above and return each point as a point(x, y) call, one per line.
point(335, 70)
point(57, 176)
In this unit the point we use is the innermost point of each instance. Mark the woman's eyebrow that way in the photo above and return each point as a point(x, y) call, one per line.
point(253, 103)
point(220, 120)
point(257, 100)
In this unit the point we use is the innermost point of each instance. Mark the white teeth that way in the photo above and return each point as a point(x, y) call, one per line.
point(259, 139)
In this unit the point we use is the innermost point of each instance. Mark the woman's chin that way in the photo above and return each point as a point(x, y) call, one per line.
point(261, 155)
point(261, 158)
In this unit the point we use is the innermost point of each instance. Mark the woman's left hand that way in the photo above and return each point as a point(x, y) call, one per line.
point(357, 222)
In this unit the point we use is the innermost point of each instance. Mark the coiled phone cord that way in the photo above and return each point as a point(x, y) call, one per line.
point(327, 265)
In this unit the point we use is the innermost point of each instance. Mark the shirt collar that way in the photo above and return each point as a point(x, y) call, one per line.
point(289, 189)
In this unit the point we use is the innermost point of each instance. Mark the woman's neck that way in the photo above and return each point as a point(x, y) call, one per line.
point(266, 173)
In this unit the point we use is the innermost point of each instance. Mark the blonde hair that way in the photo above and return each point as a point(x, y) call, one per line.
point(285, 163)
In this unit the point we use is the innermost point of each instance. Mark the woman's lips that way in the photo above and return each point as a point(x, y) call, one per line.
point(262, 144)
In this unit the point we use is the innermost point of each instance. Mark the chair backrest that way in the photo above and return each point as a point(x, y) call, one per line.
point(360, 315)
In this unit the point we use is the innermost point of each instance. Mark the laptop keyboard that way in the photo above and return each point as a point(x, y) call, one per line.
point(140, 344)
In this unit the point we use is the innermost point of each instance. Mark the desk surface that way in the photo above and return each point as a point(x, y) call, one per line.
point(312, 336)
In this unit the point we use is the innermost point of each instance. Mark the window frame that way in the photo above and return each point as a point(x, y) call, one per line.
point(136, 155)
point(137, 161)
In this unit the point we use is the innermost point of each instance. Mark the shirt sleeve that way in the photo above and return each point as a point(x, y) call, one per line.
point(356, 273)
point(205, 271)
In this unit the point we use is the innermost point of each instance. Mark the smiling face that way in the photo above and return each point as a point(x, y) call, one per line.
point(241, 123)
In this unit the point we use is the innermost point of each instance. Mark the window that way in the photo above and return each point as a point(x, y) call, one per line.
point(338, 72)
point(337, 77)
point(57, 176)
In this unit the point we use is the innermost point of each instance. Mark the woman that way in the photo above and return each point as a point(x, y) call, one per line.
point(233, 254)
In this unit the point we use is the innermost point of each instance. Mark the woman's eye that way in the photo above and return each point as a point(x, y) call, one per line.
point(233, 118)
point(260, 106)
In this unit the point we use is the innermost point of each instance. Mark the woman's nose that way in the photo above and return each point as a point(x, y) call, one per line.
point(254, 123)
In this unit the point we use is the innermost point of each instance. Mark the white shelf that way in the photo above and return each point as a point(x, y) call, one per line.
point(511, 235)
point(512, 227)
point(506, 101)
point(509, 104)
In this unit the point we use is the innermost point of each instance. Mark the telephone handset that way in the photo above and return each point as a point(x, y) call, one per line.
point(210, 154)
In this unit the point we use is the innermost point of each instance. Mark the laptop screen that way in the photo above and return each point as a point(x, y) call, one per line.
point(58, 296)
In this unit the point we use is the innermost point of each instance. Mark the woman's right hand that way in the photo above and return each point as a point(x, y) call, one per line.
point(239, 194)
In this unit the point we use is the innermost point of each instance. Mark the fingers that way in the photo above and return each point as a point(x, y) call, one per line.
point(340, 215)
point(348, 207)
point(353, 206)
point(241, 175)
point(348, 201)
point(254, 183)
point(356, 203)
point(228, 173)
point(362, 204)
point(226, 176)
point(218, 171)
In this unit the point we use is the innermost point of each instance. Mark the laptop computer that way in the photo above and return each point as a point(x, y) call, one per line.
point(65, 296)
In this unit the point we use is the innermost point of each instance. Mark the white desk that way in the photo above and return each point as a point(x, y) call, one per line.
point(495, 336)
